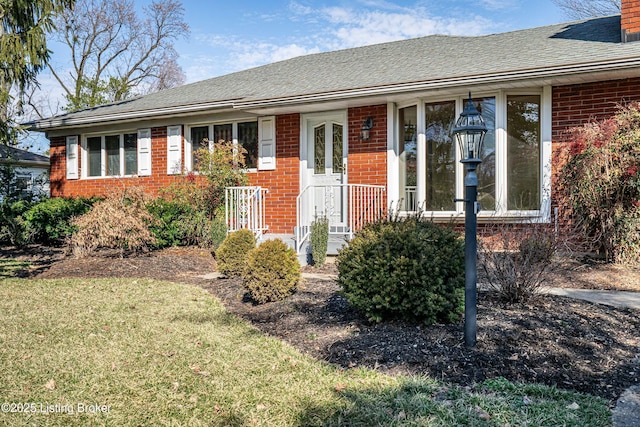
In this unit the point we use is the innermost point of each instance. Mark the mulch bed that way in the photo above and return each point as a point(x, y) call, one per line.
point(572, 344)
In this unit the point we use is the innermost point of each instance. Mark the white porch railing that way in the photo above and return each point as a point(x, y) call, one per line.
point(244, 208)
point(349, 207)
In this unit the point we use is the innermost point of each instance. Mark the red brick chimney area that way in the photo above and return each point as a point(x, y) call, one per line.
point(630, 20)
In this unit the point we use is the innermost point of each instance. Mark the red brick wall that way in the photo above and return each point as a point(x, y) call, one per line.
point(630, 16)
point(60, 186)
point(367, 160)
point(283, 183)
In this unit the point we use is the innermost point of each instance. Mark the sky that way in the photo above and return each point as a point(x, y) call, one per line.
point(228, 36)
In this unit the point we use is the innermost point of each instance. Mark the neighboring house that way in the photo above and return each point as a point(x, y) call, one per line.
point(31, 171)
point(302, 123)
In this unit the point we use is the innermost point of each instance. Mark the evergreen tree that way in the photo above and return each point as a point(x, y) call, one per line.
point(23, 51)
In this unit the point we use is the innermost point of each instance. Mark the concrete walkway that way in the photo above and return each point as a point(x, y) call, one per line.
point(615, 298)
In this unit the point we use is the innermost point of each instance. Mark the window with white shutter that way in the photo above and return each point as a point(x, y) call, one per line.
point(267, 143)
point(144, 152)
point(174, 150)
point(72, 157)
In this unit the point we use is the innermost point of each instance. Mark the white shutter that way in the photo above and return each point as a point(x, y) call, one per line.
point(72, 157)
point(144, 152)
point(267, 143)
point(174, 150)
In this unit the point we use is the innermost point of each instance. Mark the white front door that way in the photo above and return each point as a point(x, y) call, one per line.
point(326, 166)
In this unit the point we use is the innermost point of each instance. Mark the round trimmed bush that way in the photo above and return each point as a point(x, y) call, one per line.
point(231, 255)
point(408, 268)
point(273, 272)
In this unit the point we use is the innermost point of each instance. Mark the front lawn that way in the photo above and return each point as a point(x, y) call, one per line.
point(145, 352)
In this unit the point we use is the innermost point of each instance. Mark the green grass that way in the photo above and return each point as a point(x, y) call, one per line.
point(164, 354)
point(8, 267)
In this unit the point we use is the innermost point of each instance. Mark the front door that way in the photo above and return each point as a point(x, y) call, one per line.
point(326, 168)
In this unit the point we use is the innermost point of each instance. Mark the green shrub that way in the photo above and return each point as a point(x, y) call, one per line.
point(319, 240)
point(180, 223)
point(12, 224)
point(273, 272)
point(50, 222)
point(231, 256)
point(168, 229)
point(404, 268)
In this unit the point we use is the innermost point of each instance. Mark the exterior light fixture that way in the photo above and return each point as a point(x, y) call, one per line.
point(470, 131)
point(365, 133)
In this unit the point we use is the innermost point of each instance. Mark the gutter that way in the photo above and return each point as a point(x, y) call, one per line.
point(58, 122)
point(238, 104)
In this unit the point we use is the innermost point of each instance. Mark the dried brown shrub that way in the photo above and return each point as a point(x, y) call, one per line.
point(516, 259)
point(121, 221)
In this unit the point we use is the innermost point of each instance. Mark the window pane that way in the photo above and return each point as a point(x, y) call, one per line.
point(248, 139)
point(523, 152)
point(130, 154)
point(199, 139)
point(487, 169)
point(112, 145)
point(337, 148)
point(318, 150)
point(94, 146)
point(408, 159)
point(441, 156)
point(223, 133)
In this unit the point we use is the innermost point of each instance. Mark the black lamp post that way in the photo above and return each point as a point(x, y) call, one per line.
point(470, 131)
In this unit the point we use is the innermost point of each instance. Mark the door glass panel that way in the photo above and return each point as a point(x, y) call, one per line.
point(248, 139)
point(523, 152)
point(408, 158)
point(130, 154)
point(112, 145)
point(487, 169)
point(319, 161)
point(94, 147)
point(337, 148)
point(441, 156)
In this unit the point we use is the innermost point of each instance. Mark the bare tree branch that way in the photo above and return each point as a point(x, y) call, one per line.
point(582, 9)
point(116, 54)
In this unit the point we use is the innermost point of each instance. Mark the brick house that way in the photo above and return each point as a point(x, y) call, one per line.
point(304, 121)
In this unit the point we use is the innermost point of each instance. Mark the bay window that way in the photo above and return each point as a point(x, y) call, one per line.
point(510, 179)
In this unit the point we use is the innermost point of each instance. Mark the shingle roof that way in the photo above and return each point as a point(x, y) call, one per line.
point(425, 59)
point(16, 155)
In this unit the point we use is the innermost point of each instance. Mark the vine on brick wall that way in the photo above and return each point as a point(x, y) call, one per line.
point(602, 183)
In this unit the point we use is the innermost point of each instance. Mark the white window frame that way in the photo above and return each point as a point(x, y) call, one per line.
point(500, 212)
point(188, 144)
point(103, 155)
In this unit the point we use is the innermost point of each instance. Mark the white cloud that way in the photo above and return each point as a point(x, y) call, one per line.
point(329, 28)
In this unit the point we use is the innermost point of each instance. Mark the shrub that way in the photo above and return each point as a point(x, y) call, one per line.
point(602, 182)
point(404, 268)
point(222, 167)
point(168, 229)
point(319, 240)
point(231, 256)
point(12, 224)
point(517, 259)
point(273, 272)
point(121, 221)
point(50, 222)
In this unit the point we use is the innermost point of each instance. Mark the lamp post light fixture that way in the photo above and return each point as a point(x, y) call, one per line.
point(470, 131)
